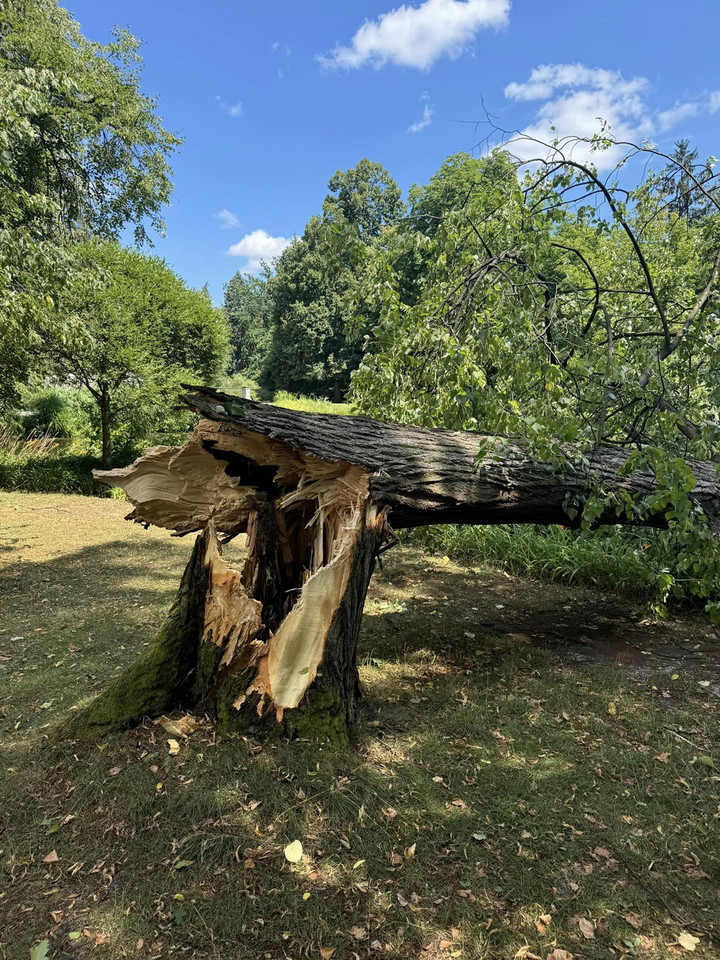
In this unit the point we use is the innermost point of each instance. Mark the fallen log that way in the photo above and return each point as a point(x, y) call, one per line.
point(316, 495)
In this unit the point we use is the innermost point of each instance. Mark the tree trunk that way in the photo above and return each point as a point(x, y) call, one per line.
point(105, 427)
point(277, 641)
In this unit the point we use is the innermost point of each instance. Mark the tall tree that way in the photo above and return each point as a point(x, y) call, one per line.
point(132, 339)
point(82, 152)
point(312, 350)
point(249, 311)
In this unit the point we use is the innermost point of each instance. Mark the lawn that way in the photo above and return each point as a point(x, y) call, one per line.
point(536, 773)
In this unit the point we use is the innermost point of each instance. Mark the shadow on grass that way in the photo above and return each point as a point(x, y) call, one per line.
point(495, 795)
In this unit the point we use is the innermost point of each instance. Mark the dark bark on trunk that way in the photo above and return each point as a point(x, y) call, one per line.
point(105, 427)
point(433, 476)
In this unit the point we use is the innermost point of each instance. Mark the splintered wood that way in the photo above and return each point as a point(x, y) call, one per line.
point(219, 483)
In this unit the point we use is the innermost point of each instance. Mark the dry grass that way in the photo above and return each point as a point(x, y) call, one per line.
point(525, 761)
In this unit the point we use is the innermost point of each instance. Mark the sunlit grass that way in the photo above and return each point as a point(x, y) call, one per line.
point(490, 786)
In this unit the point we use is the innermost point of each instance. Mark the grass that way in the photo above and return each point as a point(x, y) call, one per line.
point(43, 463)
point(530, 755)
point(609, 559)
point(309, 404)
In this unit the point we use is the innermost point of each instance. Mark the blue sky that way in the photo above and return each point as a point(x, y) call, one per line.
point(273, 97)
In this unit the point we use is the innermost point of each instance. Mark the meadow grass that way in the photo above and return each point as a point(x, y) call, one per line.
point(508, 778)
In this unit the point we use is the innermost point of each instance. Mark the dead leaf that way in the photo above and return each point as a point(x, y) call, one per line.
point(559, 955)
point(182, 727)
point(687, 941)
point(410, 852)
point(293, 852)
point(587, 928)
point(52, 857)
point(633, 919)
point(662, 757)
point(459, 803)
point(173, 747)
point(359, 933)
point(114, 771)
point(327, 952)
point(395, 859)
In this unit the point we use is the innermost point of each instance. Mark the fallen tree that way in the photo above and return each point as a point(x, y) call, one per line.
point(316, 495)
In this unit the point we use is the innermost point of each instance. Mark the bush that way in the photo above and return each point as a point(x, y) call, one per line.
point(57, 411)
point(45, 464)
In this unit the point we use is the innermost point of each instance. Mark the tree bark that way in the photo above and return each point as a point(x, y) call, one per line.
point(105, 427)
point(277, 640)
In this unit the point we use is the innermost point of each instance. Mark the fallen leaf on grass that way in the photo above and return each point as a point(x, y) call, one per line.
point(459, 803)
point(173, 747)
point(687, 941)
point(327, 952)
point(662, 757)
point(359, 933)
point(40, 951)
point(410, 852)
point(633, 919)
point(587, 928)
point(559, 955)
point(182, 727)
point(293, 852)
point(52, 857)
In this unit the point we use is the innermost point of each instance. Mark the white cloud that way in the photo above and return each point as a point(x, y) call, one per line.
point(228, 220)
point(668, 118)
point(278, 47)
point(232, 109)
point(258, 246)
point(418, 36)
point(427, 116)
point(575, 101)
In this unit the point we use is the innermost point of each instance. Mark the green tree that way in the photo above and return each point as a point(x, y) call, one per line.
point(561, 307)
point(82, 152)
point(365, 196)
point(249, 311)
point(131, 340)
point(309, 351)
point(312, 350)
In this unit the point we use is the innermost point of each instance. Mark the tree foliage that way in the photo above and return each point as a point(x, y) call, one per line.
point(558, 306)
point(131, 340)
point(248, 310)
point(311, 349)
point(82, 153)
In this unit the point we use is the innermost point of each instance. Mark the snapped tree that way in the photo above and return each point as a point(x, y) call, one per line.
point(316, 495)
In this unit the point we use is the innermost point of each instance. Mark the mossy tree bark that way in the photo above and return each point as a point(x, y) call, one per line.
point(277, 640)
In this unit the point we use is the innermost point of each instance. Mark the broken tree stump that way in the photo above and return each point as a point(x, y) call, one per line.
point(316, 494)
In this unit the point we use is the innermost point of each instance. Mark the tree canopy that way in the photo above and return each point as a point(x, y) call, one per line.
point(131, 339)
point(312, 349)
point(82, 153)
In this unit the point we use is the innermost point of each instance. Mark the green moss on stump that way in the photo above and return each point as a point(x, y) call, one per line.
point(162, 677)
